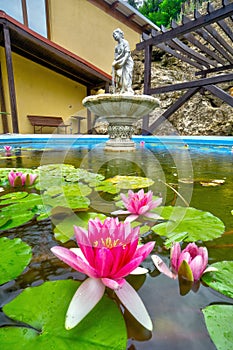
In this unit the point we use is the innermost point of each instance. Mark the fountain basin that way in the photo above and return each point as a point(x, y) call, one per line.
point(121, 111)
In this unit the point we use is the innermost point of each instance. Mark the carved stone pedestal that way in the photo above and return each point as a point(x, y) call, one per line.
point(120, 138)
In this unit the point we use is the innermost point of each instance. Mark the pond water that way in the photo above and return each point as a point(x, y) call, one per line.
point(187, 168)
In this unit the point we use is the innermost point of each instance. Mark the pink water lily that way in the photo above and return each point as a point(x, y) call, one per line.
point(138, 204)
point(21, 179)
point(107, 253)
point(190, 262)
point(7, 150)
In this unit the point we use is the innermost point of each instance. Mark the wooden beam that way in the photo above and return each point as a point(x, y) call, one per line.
point(147, 69)
point(192, 84)
point(11, 81)
point(203, 48)
point(168, 49)
point(224, 45)
point(214, 70)
point(220, 94)
point(190, 26)
point(184, 98)
point(3, 106)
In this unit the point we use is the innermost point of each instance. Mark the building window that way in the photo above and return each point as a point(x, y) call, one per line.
point(32, 13)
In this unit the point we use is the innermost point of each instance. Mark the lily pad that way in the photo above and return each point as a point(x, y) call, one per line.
point(15, 256)
point(219, 319)
point(21, 212)
point(3, 220)
point(131, 182)
point(12, 197)
point(73, 202)
point(64, 231)
point(43, 308)
point(221, 280)
point(69, 190)
point(116, 183)
point(195, 224)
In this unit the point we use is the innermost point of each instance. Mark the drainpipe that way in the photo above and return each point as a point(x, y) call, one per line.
point(11, 82)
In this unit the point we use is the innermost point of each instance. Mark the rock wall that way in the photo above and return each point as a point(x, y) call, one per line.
point(203, 114)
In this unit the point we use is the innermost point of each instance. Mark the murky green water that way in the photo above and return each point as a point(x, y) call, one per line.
point(178, 321)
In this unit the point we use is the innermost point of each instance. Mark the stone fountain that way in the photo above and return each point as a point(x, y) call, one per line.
point(121, 108)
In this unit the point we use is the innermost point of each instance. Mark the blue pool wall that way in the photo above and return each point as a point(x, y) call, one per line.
point(216, 143)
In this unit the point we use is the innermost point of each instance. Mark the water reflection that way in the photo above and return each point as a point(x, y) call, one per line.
point(178, 321)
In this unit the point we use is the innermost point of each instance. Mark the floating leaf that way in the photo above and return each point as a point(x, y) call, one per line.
point(177, 237)
point(43, 308)
point(219, 319)
point(116, 183)
point(197, 224)
point(108, 187)
point(15, 256)
point(73, 202)
point(12, 197)
point(221, 280)
point(21, 212)
point(69, 190)
point(131, 182)
point(64, 231)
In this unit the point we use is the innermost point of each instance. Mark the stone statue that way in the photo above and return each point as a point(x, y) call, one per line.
point(122, 66)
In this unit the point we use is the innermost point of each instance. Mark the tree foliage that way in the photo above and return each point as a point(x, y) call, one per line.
point(161, 12)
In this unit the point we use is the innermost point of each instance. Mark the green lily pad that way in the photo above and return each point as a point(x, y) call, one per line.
point(219, 319)
point(15, 256)
point(131, 182)
point(195, 224)
point(3, 220)
point(108, 187)
point(221, 280)
point(69, 190)
point(84, 175)
point(73, 202)
point(43, 308)
point(55, 169)
point(12, 197)
point(116, 183)
point(64, 231)
point(22, 211)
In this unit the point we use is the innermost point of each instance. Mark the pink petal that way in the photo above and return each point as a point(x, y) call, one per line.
point(156, 203)
point(120, 212)
point(144, 250)
point(113, 284)
point(153, 216)
point(103, 261)
point(84, 300)
point(139, 271)
point(128, 268)
point(133, 303)
point(204, 253)
point(131, 218)
point(175, 253)
point(71, 259)
point(162, 267)
point(143, 209)
point(197, 267)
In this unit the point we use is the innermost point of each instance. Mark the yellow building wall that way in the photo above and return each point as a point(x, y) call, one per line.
point(86, 30)
point(81, 28)
point(41, 91)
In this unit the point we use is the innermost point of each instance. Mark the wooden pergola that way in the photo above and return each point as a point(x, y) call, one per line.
point(204, 42)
